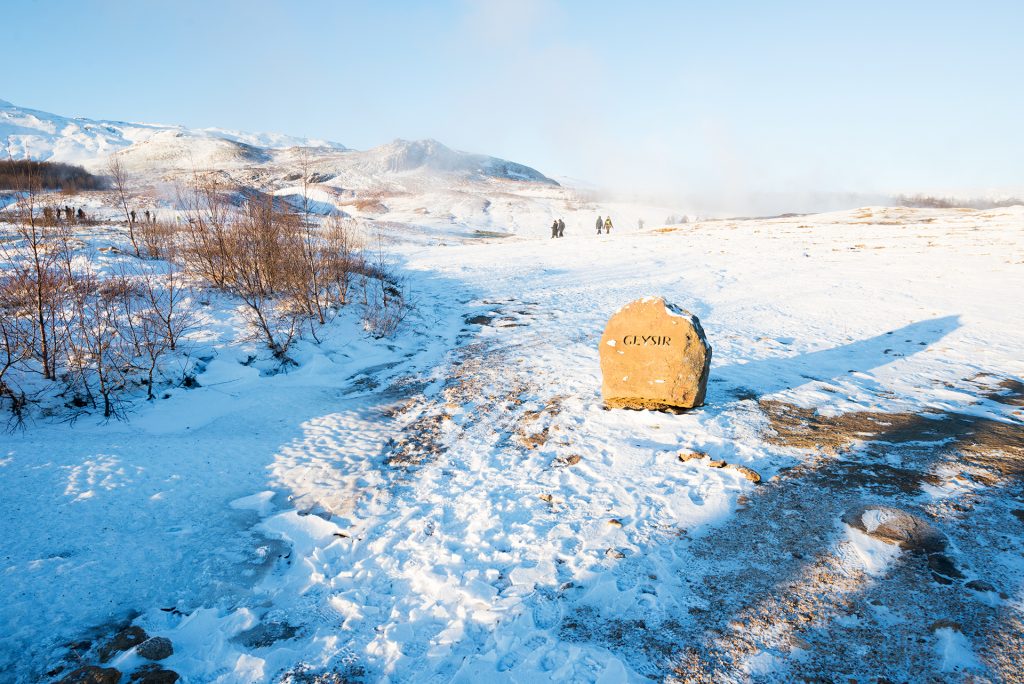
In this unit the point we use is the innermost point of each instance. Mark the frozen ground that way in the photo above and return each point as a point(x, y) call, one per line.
point(456, 505)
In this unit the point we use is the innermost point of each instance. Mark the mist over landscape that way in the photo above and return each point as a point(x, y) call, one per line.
point(490, 341)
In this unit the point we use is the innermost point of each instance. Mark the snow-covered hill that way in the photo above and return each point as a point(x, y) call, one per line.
point(30, 133)
point(419, 188)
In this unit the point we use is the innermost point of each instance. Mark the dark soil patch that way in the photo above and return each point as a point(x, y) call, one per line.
point(1007, 391)
point(780, 577)
point(266, 634)
point(986, 444)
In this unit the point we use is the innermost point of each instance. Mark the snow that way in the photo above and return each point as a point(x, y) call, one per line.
point(46, 136)
point(954, 651)
point(419, 190)
point(261, 503)
point(263, 499)
point(875, 555)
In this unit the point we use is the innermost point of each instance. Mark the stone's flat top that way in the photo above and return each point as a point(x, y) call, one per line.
point(654, 355)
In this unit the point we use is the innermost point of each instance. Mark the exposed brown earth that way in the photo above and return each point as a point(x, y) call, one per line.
point(803, 603)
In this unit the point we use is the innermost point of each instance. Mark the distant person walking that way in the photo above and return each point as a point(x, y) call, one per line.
point(608, 226)
point(554, 229)
point(561, 228)
point(600, 225)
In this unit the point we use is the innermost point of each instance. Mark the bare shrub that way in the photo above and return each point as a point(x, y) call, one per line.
point(169, 300)
point(158, 240)
point(119, 176)
point(16, 338)
point(99, 356)
point(329, 257)
point(205, 233)
point(263, 269)
point(385, 299)
point(36, 254)
point(287, 268)
point(157, 311)
point(249, 253)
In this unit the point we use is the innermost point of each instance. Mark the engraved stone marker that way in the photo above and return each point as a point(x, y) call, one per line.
point(653, 356)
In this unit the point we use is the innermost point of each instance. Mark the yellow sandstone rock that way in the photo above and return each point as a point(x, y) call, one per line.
point(654, 356)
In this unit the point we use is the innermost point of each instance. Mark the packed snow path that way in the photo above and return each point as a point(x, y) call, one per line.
point(476, 515)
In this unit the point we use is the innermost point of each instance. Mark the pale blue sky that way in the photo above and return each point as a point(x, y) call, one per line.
point(706, 96)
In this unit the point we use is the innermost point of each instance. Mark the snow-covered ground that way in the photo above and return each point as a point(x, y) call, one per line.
point(454, 504)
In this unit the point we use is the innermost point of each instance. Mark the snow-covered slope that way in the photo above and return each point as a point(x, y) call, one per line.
point(419, 187)
point(30, 133)
point(404, 156)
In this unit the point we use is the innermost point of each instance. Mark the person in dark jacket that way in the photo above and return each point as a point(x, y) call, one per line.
point(600, 225)
point(608, 226)
point(561, 228)
point(554, 229)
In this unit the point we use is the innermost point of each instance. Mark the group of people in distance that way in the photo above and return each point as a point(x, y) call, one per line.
point(558, 227)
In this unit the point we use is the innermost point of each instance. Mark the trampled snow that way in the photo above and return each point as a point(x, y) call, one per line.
point(455, 504)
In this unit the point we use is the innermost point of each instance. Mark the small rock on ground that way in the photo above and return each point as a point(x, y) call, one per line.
point(92, 674)
point(154, 674)
point(746, 472)
point(980, 585)
point(156, 648)
point(122, 641)
point(685, 456)
point(894, 526)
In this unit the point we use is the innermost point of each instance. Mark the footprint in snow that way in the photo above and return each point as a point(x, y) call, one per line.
point(547, 612)
point(414, 649)
point(627, 575)
point(554, 659)
point(512, 659)
point(587, 669)
point(572, 546)
point(443, 677)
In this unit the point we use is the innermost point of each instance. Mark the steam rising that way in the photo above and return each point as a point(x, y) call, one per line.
point(667, 124)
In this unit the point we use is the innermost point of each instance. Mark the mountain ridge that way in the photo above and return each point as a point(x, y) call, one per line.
point(31, 133)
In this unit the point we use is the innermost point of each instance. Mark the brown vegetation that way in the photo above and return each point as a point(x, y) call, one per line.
point(287, 269)
point(93, 336)
point(86, 334)
point(50, 175)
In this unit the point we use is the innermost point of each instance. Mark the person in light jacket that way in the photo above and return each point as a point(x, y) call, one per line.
point(608, 225)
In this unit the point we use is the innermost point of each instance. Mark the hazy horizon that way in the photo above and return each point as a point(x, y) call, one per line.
point(724, 103)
